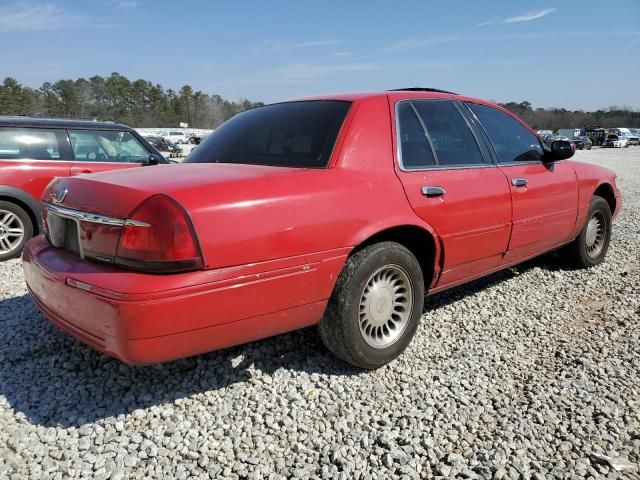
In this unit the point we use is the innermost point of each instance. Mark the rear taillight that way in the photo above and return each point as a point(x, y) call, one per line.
point(158, 237)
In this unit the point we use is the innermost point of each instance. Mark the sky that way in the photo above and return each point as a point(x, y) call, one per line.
point(554, 53)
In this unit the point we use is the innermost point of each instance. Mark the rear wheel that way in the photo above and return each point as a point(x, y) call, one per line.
point(375, 307)
point(15, 229)
point(592, 244)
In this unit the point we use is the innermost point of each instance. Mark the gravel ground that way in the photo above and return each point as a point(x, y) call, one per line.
point(533, 372)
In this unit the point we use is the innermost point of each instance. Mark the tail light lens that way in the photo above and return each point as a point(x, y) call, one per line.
point(158, 237)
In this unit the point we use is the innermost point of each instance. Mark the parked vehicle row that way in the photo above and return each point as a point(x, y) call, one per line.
point(169, 149)
point(585, 138)
point(341, 211)
point(33, 151)
point(181, 137)
point(174, 136)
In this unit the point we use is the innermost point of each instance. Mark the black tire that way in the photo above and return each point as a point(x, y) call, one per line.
point(340, 327)
point(10, 247)
point(580, 253)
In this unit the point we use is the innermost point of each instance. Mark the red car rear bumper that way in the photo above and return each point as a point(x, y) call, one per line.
point(143, 327)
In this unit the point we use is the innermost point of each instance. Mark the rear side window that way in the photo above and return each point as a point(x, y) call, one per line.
point(107, 146)
point(30, 143)
point(415, 151)
point(451, 137)
point(293, 134)
point(511, 140)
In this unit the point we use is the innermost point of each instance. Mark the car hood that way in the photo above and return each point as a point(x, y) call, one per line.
point(118, 192)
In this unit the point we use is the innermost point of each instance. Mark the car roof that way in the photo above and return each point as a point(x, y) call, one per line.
point(396, 95)
point(39, 122)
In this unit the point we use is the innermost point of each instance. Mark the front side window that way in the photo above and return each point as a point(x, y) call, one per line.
point(511, 140)
point(451, 137)
point(30, 143)
point(293, 134)
point(107, 146)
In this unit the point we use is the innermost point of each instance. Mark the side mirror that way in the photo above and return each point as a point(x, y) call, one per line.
point(153, 159)
point(560, 150)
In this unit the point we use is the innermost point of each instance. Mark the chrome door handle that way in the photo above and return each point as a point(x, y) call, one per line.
point(519, 182)
point(428, 191)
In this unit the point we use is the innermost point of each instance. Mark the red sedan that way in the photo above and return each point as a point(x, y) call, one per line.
point(341, 211)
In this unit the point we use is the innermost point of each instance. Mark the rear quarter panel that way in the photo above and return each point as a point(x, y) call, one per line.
point(306, 210)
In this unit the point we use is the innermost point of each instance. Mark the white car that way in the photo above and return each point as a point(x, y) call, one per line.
point(617, 141)
point(174, 136)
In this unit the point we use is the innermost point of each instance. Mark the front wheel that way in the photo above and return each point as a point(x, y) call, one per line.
point(592, 244)
point(375, 307)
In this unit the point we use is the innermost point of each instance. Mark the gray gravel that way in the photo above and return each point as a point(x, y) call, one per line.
point(533, 372)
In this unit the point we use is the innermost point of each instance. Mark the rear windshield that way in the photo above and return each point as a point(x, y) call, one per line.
point(293, 134)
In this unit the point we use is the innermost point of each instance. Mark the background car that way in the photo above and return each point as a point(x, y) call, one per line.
point(35, 150)
point(174, 136)
point(616, 141)
point(582, 143)
point(169, 149)
point(633, 137)
point(194, 139)
point(341, 211)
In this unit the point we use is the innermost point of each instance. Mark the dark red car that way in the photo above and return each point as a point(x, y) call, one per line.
point(33, 151)
point(341, 211)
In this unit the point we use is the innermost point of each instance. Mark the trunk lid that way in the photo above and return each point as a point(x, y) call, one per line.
point(116, 193)
point(85, 214)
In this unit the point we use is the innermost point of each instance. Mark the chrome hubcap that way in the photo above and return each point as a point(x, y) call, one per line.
point(385, 306)
point(11, 231)
point(595, 236)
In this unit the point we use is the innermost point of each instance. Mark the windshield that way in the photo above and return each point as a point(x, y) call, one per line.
point(293, 134)
point(107, 146)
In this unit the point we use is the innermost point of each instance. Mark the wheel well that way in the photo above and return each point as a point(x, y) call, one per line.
point(26, 208)
point(417, 240)
point(606, 191)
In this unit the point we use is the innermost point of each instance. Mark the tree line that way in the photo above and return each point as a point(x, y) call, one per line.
point(138, 103)
point(556, 118)
point(141, 103)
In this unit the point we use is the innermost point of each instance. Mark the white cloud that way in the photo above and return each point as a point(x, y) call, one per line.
point(28, 17)
point(275, 46)
point(426, 41)
point(491, 21)
point(428, 66)
point(525, 17)
point(304, 72)
point(533, 15)
point(122, 4)
point(413, 43)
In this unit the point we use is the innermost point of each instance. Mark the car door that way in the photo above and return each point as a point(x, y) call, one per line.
point(544, 195)
point(31, 157)
point(101, 150)
point(452, 184)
